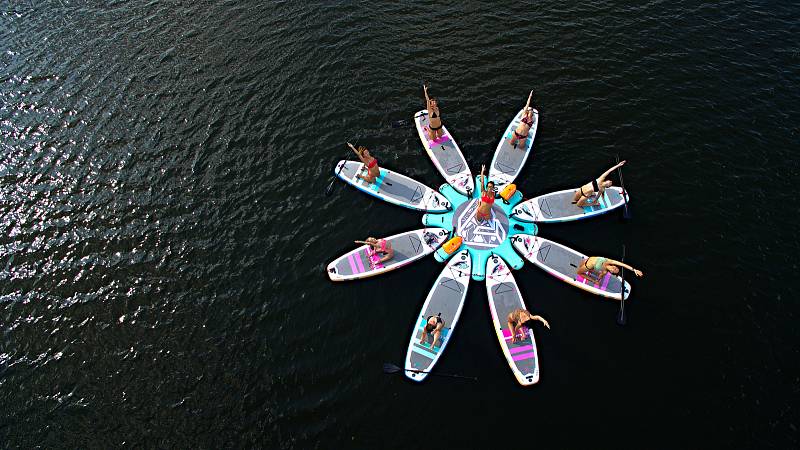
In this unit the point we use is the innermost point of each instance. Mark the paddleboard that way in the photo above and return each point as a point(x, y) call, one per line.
point(563, 262)
point(558, 206)
point(446, 299)
point(446, 155)
point(509, 161)
point(408, 247)
point(504, 297)
point(394, 188)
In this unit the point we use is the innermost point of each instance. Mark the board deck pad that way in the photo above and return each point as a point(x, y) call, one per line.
point(563, 262)
point(508, 161)
point(446, 155)
point(445, 299)
point(394, 188)
point(504, 297)
point(408, 247)
point(558, 206)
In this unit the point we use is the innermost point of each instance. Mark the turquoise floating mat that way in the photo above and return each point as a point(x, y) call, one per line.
point(480, 238)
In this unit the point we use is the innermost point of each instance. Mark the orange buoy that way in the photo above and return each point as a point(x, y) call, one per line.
point(508, 192)
point(452, 245)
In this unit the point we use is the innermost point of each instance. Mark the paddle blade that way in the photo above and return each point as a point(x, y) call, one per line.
point(329, 190)
point(626, 213)
point(390, 368)
point(621, 319)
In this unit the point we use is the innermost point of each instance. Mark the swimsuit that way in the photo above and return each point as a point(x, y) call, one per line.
point(598, 264)
point(487, 215)
point(433, 116)
point(594, 186)
point(526, 121)
point(372, 163)
point(431, 328)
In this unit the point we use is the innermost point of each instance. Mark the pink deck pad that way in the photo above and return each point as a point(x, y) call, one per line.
point(602, 287)
point(352, 262)
point(518, 350)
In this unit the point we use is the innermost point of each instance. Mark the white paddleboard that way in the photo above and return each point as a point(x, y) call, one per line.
point(445, 299)
point(504, 297)
point(558, 206)
point(394, 188)
point(446, 156)
point(562, 262)
point(509, 161)
point(408, 247)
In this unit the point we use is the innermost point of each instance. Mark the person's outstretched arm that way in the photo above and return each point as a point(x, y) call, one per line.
point(622, 264)
point(427, 99)
point(541, 319)
point(605, 174)
point(357, 153)
point(528, 103)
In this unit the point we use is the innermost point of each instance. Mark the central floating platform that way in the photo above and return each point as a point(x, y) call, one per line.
point(480, 234)
point(481, 238)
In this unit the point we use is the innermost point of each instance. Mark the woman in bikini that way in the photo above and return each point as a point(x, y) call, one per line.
point(434, 117)
point(520, 320)
point(370, 164)
point(484, 211)
point(524, 127)
point(432, 328)
point(594, 268)
point(585, 196)
point(379, 247)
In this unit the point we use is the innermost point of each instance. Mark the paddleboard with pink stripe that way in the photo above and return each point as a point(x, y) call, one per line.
point(446, 155)
point(408, 247)
point(504, 297)
point(562, 262)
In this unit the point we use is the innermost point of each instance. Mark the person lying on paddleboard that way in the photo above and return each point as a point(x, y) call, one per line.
point(434, 117)
point(432, 328)
point(585, 196)
point(595, 268)
point(524, 127)
point(483, 212)
point(370, 163)
point(379, 247)
point(519, 320)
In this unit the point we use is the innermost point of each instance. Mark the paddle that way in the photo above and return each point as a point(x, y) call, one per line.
point(329, 190)
point(627, 213)
point(621, 320)
point(391, 368)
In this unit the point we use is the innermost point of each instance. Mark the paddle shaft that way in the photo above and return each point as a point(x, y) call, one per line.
point(626, 214)
point(330, 186)
point(391, 368)
point(621, 317)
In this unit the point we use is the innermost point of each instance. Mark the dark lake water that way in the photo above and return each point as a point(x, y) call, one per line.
point(165, 229)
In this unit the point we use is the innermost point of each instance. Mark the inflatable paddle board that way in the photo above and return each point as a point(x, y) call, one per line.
point(408, 247)
point(508, 161)
point(563, 262)
point(558, 206)
point(504, 297)
point(394, 188)
point(446, 155)
point(446, 299)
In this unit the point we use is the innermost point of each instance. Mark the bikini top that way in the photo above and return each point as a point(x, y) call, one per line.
point(487, 199)
point(528, 121)
point(372, 163)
